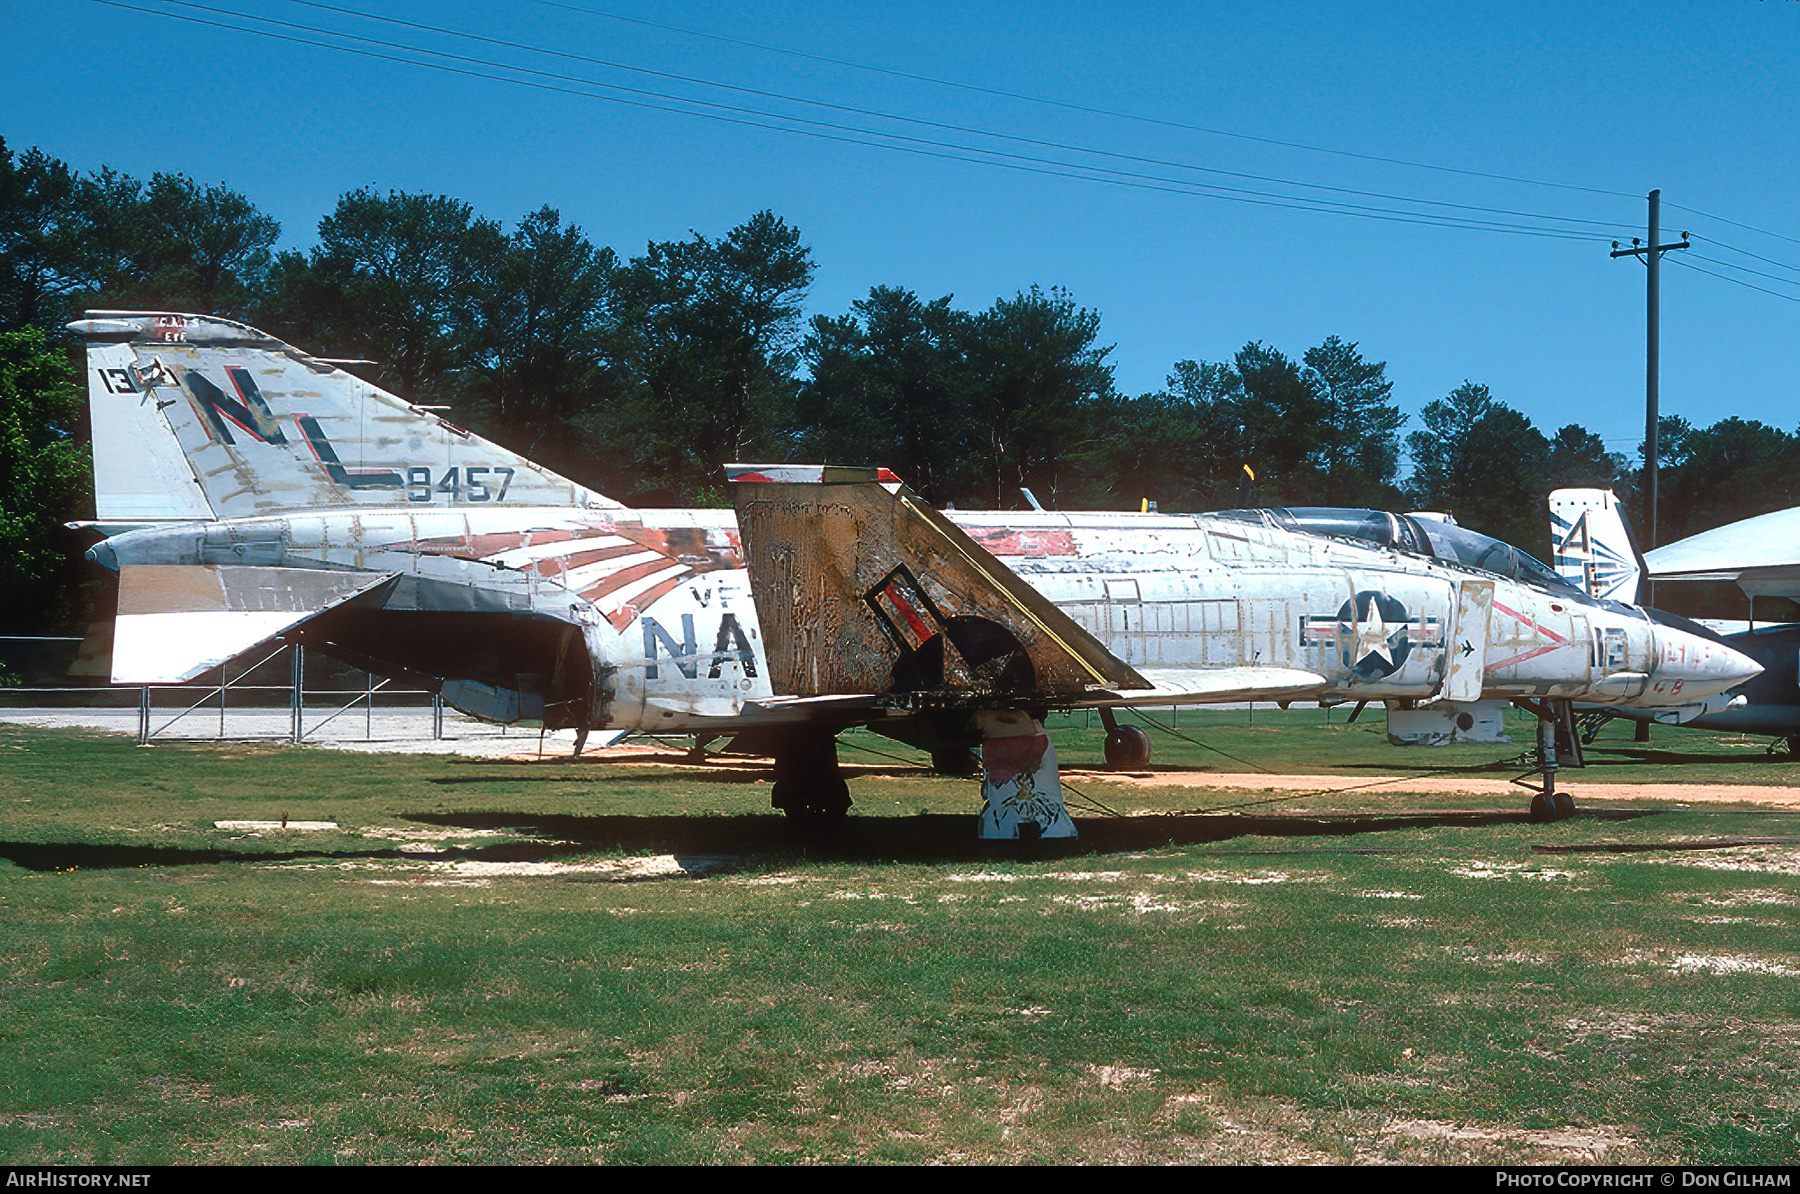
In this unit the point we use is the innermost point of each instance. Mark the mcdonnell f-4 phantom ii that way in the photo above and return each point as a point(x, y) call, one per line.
point(249, 491)
point(874, 606)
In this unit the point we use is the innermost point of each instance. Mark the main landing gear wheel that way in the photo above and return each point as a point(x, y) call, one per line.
point(809, 788)
point(1127, 748)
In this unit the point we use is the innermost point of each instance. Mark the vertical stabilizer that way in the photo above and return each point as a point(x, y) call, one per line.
point(1594, 549)
point(140, 473)
point(197, 417)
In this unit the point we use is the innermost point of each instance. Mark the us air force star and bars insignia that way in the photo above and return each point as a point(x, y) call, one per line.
point(1373, 633)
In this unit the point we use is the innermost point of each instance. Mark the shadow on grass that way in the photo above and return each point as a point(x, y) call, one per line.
point(925, 838)
point(937, 837)
point(1648, 756)
point(688, 774)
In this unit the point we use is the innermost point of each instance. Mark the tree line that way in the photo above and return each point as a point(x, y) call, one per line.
point(640, 376)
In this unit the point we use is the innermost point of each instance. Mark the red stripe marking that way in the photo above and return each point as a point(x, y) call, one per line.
point(624, 576)
point(557, 565)
point(1557, 640)
point(628, 613)
point(914, 622)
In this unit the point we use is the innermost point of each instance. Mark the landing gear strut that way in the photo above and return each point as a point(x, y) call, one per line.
point(809, 788)
point(1557, 736)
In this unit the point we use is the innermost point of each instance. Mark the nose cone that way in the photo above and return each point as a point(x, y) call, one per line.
point(1691, 666)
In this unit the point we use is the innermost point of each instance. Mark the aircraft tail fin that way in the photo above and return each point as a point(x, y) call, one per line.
point(196, 417)
point(1594, 549)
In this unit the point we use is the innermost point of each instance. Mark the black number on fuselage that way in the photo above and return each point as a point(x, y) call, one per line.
point(472, 484)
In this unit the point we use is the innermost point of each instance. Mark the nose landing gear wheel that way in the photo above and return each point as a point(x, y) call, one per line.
point(1555, 807)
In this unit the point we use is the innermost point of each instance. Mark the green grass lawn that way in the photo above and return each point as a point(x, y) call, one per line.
point(456, 975)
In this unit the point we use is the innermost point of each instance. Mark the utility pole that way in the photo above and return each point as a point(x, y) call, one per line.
point(1651, 255)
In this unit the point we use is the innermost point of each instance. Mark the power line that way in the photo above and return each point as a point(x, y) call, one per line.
point(1075, 107)
point(1746, 252)
point(1735, 224)
point(1610, 226)
point(1734, 281)
point(1746, 269)
point(856, 136)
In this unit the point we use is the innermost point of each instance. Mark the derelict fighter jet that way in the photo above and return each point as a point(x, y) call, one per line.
point(876, 607)
point(249, 491)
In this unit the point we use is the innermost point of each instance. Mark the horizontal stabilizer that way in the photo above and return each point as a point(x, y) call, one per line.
point(177, 620)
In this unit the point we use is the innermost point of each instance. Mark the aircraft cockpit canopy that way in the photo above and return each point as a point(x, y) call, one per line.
point(1416, 535)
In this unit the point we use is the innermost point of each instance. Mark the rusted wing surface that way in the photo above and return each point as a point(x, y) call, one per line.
point(863, 588)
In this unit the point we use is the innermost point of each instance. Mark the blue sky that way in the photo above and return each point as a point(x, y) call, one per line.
point(1698, 99)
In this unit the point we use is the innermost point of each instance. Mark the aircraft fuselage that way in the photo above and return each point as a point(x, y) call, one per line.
point(661, 603)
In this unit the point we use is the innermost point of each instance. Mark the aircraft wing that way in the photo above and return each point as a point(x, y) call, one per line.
point(1217, 685)
point(177, 620)
point(872, 601)
point(1210, 686)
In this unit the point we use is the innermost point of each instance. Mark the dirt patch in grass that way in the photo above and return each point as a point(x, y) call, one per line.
point(1591, 1145)
point(1764, 859)
point(1730, 964)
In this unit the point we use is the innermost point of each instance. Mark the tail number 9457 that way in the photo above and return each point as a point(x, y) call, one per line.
point(476, 483)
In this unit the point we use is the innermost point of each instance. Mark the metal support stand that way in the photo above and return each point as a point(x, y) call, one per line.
point(144, 715)
point(437, 716)
point(1547, 757)
point(297, 698)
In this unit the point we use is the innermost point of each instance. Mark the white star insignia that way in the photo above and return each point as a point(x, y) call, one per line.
point(1373, 637)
